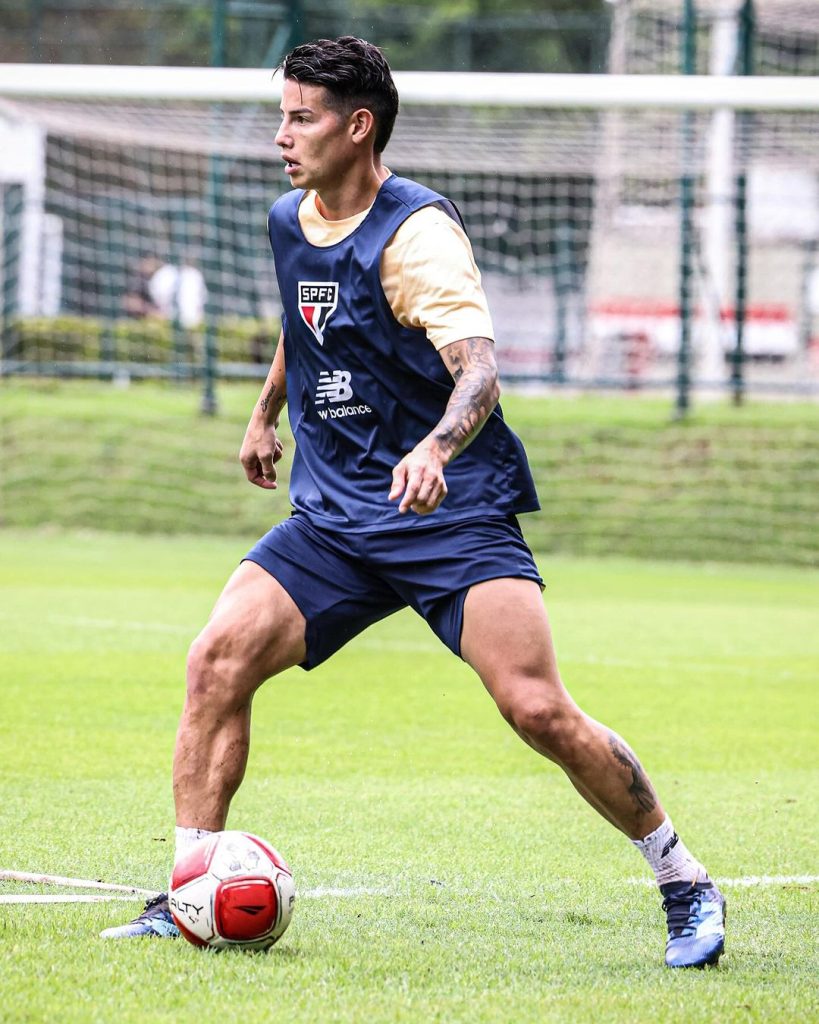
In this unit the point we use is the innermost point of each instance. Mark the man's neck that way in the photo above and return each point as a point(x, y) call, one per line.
point(354, 194)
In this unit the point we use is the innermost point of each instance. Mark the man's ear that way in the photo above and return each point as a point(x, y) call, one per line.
point(362, 124)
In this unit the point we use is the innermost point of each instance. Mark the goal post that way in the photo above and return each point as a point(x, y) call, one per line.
point(133, 239)
point(552, 91)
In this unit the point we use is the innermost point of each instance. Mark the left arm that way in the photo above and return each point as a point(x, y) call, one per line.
point(418, 479)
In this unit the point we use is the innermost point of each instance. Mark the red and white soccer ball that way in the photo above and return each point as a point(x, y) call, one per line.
point(232, 889)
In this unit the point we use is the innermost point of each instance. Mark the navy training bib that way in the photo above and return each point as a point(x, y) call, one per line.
point(362, 390)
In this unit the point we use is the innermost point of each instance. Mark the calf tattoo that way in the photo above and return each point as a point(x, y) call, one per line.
point(640, 789)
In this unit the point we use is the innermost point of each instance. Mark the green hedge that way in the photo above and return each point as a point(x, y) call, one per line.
point(44, 340)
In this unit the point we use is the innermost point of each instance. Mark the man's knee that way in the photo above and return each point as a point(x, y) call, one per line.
point(549, 723)
point(217, 672)
point(255, 631)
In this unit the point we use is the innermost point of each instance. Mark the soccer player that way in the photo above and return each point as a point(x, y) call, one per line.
point(406, 484)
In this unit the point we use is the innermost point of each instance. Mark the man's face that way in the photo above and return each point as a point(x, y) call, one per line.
point(314, 139)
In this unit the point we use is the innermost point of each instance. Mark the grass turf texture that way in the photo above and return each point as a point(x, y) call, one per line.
point(502, 897)
point(615, 475)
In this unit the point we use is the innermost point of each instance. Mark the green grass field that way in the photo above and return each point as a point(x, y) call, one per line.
point(486, 891)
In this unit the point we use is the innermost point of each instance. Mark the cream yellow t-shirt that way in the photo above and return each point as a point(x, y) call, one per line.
point(428, 272)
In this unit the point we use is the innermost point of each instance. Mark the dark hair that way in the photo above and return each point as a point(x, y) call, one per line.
point(355, 74)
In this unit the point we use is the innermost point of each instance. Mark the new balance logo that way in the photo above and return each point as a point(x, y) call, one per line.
point(334, 387)
point(317, 302)
point(669, 846)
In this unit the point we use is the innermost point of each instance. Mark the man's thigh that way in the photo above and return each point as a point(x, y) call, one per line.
point(506, 638)
point(256, 625)
point(435, 568)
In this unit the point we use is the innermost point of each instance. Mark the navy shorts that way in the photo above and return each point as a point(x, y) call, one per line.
point(344, 582)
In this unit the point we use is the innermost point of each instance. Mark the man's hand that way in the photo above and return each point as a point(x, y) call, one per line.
point(260, 452)
point(261, 449)
point(418, 480)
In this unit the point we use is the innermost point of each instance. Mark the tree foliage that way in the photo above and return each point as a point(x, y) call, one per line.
point(493, 35)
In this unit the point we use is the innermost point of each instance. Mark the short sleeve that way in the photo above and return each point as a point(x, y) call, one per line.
point(431, 281)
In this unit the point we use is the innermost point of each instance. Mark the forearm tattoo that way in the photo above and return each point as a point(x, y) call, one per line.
point(472, 365)
point(640, 789)
point(271, 396)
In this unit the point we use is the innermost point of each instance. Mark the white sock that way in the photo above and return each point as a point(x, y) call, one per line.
point(185, 839)
point(668, 856)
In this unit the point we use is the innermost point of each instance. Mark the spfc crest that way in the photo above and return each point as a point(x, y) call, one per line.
point(317, 301)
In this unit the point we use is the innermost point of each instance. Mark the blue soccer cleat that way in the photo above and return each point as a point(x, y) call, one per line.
point(696, 923)
point(154, 920)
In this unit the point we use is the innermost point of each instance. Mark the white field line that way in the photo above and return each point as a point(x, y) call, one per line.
point(420, 646)
point(106, 897)
point(113, 891)
point(74, 883)
point(130, 625)
point(339, 893)
point(328, 892)
point(120, 624)
point(416, 646)
point(405, 646)
point(126, 892)
point(670, 666)
point(93, 883)
point(136, 626)
point(748, 881)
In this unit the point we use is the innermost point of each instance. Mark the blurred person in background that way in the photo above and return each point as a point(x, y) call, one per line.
point(138, 302)
point(179, 294)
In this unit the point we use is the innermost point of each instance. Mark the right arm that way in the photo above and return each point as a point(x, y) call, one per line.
point(261, 448)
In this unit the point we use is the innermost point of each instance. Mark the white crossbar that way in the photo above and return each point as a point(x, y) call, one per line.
point(257, 85)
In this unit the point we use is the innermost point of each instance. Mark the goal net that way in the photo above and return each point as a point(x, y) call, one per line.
point(648, 36)
point(134, 203)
